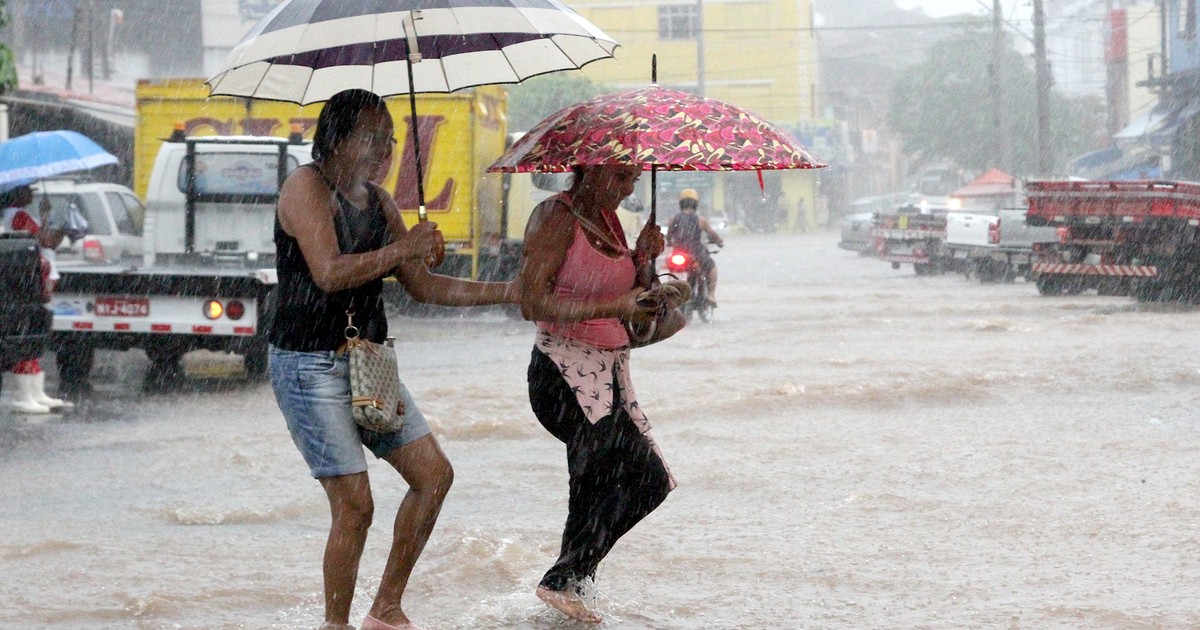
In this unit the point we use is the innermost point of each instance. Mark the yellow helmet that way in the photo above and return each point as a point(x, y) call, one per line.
point(689, 193)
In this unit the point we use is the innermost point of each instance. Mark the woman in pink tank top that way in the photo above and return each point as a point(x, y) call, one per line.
point(577, 283)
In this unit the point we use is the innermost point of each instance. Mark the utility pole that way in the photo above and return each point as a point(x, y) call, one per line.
point(1042, 70)
point(700, 48)
point(996, 87)
point(1116, 73)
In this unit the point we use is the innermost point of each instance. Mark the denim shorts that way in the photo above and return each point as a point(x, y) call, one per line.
point(313, 392)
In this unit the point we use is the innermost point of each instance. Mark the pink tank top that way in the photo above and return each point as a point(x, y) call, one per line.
point(587, 273)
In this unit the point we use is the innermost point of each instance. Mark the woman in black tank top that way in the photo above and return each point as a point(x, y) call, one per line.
point(337, 235)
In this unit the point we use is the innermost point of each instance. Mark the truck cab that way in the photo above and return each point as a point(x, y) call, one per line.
point(206, 199)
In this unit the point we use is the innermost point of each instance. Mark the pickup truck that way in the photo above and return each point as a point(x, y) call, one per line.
point(913, 234)
point(995, 247)
point(24, 319)
point(207, 274)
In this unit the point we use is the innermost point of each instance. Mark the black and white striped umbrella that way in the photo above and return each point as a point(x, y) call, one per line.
point(305, 51)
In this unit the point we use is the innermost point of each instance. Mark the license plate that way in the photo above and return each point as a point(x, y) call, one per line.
point(122, 307)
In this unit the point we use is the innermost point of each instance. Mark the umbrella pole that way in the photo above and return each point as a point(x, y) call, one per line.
point(414, 54)
point(422, 215)
point(653, 194)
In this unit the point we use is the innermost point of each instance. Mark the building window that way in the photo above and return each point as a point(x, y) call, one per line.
point(1185, 19)
point(679, 21)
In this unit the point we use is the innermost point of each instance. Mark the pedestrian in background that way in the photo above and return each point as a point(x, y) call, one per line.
point(337, 235)
point(29, 381)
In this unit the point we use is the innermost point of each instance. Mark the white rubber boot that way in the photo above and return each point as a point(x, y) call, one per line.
point(40, 397)
point(23, 400)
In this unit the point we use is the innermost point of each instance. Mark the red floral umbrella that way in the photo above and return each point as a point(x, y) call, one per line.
point(659, 129)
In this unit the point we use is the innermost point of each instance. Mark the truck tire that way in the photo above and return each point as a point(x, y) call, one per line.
point(990, 272)
point(74, 366)
point(255, 362)
point(1048, 285)
point(922, 269)
point(165, 367)
point(254, 357)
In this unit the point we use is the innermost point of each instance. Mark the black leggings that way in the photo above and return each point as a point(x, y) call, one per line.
point(616, 479)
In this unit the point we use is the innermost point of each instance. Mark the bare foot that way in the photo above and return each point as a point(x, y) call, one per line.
point(371, 623)
point(568, 603)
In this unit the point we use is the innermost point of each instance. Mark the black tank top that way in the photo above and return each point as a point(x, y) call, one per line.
point(685, 230)
point(308, 319)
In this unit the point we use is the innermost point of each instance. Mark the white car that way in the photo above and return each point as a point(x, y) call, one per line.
point(112, 212)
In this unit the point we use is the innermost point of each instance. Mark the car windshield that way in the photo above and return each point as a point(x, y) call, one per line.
point(89, 204)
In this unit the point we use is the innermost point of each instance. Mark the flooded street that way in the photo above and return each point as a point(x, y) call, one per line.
point(856, 447)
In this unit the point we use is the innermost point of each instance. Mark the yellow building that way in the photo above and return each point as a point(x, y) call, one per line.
point(756, 54)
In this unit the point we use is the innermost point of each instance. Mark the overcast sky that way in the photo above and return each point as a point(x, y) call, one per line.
point(941, 8)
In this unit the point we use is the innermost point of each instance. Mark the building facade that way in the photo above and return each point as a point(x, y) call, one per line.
point(757, 54)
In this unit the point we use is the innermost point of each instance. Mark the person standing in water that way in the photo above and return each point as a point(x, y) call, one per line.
point(577, 283)
point(337, 235)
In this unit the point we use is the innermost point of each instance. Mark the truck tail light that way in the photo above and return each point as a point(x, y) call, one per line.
point(1064, 235)
point(994, 233)
point(93, 251)
point(213, 309)
point(235, 310)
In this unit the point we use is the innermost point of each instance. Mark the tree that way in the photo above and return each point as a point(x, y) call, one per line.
point(537, 98)
point(942, 109)
point(8, 64)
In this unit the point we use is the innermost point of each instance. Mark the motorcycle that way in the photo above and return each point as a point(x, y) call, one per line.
point(681, 261)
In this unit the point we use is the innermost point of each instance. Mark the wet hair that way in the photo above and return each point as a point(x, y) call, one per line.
point(10, 196)
point(339, 117)
point(688, 204)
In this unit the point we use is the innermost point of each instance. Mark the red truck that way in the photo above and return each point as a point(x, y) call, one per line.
point(1136, 238)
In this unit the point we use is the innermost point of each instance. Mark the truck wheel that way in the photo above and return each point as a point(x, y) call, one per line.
point(255, 361)
point(922, 269)
point(74, 366)
point(989, 272)
point(165, 368)
point(1048, 285)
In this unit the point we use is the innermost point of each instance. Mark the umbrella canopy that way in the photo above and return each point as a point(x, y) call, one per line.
point(305, 51)
point(658, 129)
point(31, 157)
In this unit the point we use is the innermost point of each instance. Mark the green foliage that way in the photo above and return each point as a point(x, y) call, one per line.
point(943, 108)
point(538, 97)
point(8, 64)
point(8, 70)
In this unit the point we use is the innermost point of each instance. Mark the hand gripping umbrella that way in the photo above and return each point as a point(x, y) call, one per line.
point(40, 154)
point(305, 51)
point(656, 129)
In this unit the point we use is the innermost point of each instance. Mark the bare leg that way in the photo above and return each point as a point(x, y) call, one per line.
point(351, 508)
point(712, 284)
point(429, 475)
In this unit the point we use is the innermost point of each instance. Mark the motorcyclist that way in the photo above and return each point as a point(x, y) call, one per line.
point(685, 233)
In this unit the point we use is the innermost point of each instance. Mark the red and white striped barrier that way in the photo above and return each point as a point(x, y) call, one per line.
point(1139, 271)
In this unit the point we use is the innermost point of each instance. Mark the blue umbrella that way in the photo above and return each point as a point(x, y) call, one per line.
point(31, 157)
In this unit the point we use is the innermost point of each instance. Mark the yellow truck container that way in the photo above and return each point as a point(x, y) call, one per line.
point(461, 133)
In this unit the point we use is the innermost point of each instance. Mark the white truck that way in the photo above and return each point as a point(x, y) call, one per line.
point(206, 277)
point(994, 246)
